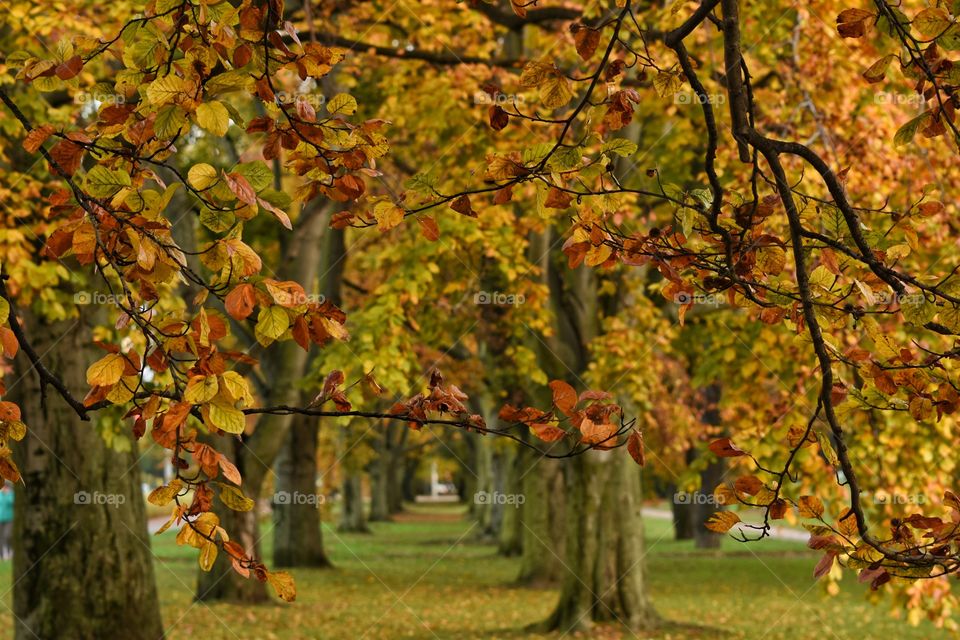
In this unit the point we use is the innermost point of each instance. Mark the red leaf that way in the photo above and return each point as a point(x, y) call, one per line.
point(499, 118)
point(241, 188)
point(557, 199)
point(825, 564)
point(69, 68)
point(726, 449)
point(635, 448)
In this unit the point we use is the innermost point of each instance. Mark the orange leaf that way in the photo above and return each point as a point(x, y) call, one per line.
point(564, 396)
point(547, 432)
point(9, 412)
point(239, 303)
point(429, 228)
point(37, 137)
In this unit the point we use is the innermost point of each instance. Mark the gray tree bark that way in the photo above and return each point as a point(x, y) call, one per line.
point(82, 564)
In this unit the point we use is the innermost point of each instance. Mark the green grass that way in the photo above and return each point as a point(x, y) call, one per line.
point(425, 578)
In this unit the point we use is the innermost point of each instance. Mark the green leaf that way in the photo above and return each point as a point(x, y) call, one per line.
point(257, 173)
point(620, 146)
point(908, 132)
point(103, 183)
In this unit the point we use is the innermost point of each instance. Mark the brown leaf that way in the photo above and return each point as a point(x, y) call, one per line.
point(586, 41)
point(462, 206)
point(724, 448)
point(499, 118)
point(557, 199)
point(635, 448)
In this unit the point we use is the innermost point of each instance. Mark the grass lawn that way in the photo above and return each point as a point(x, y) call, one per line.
point(423, 577)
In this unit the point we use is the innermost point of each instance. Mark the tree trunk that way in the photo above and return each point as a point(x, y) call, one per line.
point(82, 564)
point(352, 518)
point(683, 514)
point(542, 549)
point(511, 529)
point(297, 534)
point(396, 470)
point(709, 479)
point(605, 578)
point(379, 481)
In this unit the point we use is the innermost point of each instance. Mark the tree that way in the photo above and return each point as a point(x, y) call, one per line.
point(779, 230)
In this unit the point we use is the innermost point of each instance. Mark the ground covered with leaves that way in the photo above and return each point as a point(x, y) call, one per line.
point(425, 576)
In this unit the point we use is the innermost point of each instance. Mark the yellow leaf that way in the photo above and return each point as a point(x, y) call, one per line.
point(721, 521)
point(106, 371)
point(388, 215)
point(272, 322)
point(166, 89)
point(162, 496)
point(771, 260)
point(213, 117)
point(234, 498)
point(810, 507)
point(208, 555)
point(225, 417)
point(555, 91)
point(282, 583)
point(235, 385)
point(535, 73)
point(202, 176)
point(335, 329)
point(342, 103)
point(201, 389)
